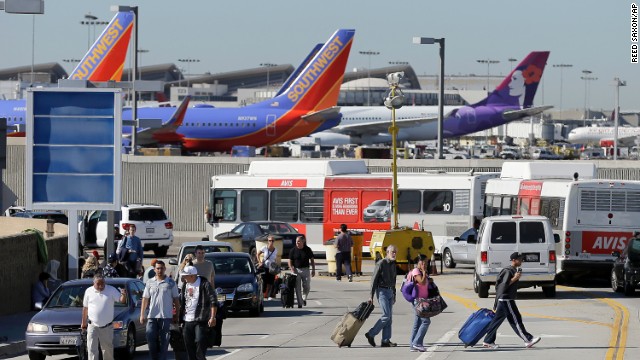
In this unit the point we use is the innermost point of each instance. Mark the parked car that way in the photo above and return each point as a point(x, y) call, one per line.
point(56, 216)
point(377, 211)
point(625, 275)
point(153, 227)
point(544, 154)
point(509, 154)
point(459, 251)
point(55, 329)
point(255, 230)
point(238, 284)
point(13, 209)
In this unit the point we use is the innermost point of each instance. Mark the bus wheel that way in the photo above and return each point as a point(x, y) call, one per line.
point(549, 291)
point(483, 289)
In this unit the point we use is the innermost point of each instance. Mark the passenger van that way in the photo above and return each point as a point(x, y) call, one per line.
point(500, 236)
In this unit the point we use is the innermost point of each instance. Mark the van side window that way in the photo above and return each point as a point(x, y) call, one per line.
point(531, 232)
point(503, 233)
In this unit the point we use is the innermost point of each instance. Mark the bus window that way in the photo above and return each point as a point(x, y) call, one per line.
point(496, 206)
point(311, 206)
point(532, 232)
point(507, 202)
point(408, 202)
point(524, 206)
point(551, 209)
point(503, 233)
point(488, 200)
point(284, 205)
point(224, 205)
point(437, 201)
point(253, 205)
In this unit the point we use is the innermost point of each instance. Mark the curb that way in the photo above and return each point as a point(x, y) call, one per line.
point(13, 349)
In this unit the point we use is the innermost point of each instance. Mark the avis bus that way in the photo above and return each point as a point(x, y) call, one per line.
point(316, 196)
point(593, 217)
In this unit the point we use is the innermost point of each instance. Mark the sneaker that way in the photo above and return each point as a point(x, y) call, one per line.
point(350, 278)
point(418, 348)
point(533, 341)
point(490, 346)
point(270, 298)
point(388, 344)
point(304, 302)
point(370, 339)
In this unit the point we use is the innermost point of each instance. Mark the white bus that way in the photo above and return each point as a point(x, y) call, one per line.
point(316, 196)
point(593, 217)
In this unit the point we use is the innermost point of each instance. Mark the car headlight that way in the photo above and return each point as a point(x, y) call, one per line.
point(248, 287)
point(37, 328)
point(118, 325)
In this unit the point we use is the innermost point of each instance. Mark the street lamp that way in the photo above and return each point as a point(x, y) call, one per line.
point(617, 83)
point(141, 51)
point(512, 60)
point(561, 66)
point(425, 40)
point(369, 53)
point(188, 62)
point(267, 65)
point(586, 79)
point(488, 62)
point(89, 21)
point(398, 63)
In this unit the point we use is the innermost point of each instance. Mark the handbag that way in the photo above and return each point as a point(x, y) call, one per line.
point(431, 306)
point(409, 290)
point(273, 268)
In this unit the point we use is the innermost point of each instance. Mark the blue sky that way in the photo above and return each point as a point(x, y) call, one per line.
point(240, 34)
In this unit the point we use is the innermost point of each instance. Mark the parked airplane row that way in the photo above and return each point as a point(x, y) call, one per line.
point(305, 106)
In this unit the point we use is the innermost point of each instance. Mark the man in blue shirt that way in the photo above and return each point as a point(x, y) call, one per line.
point(132, 246)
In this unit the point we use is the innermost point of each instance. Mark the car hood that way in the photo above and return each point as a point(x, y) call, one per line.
point(233, 281)
point(66, 316)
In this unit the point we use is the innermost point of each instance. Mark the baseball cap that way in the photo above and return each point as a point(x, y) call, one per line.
point(113, 257)
point(189, 270)
point(516, 255)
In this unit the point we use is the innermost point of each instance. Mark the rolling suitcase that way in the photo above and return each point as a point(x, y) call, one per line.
point(475, 327)
point(288, 290)
point(350, 324)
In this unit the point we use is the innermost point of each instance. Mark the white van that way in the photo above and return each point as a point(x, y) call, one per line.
point(500, 236)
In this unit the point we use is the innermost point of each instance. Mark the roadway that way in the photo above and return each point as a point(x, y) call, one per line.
point(582, 323)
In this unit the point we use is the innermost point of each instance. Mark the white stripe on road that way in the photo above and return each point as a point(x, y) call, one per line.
point(443, 340)
point(264, 337)
point(229, 354)
point(318, 302)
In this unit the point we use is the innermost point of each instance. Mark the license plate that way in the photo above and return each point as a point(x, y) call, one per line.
point(150, 230)
point(584, 256)
point(222, 297)
point(69, 340)
point(531, 257)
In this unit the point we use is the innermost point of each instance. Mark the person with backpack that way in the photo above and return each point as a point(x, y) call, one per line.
point(343, 244)
point(420, 277)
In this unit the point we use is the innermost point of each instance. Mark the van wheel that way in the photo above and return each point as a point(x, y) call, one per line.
point(549, 291)
point(161, 251)
point(483, 289)
point(448, 259)
point(476, 280)
point(615, 284)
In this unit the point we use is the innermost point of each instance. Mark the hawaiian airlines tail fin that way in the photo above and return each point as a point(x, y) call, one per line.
point(299, 69)
point(519, 88)
point(105, 59)
point(317, 86)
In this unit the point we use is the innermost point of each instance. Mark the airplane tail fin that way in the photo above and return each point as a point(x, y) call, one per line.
point(299, 69)
point(317, 86)
point(519, 88)
point(105, 59)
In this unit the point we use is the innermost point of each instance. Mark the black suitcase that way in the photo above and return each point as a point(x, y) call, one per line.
point(288, 290)
point(363, 310)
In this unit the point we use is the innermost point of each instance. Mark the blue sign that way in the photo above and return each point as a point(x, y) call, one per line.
point(73, 149)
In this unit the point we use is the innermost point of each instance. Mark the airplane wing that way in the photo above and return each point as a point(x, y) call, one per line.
point(380, 127)
point(519, 114)
point(322, 115)
point(167, 132)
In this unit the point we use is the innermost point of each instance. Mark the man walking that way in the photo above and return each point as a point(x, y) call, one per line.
point(506, 293)
point(204, 267)
point(160, 296)
point(300, 257)
point(343, 253)
point(130, 252)
point(97, 316)
point(383, 284)
point(197, 312)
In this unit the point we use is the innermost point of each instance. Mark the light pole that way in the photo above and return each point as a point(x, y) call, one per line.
point(369, 53)
point(72, 62)
point(488, 62)
point(398, 63)
point(141, 51)
point(561, 66)
point(617, 83)
point(188, 61)
point(426, 40)
point(586, 79)
point(89, 21)
point(268, 66)
point(512, 60)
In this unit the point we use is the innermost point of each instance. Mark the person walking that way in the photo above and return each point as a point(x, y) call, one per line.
point(110, 269)
point(97, 316)
point(383, 284)
point(130, 252)
point(300, 256)
point(344, 242)
point(160, 296)
point(420, 277)
point(204, 266)
point(505, 305)
point(198, 305)
point(268, 255)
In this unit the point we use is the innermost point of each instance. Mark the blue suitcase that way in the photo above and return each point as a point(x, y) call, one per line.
point(475, 327)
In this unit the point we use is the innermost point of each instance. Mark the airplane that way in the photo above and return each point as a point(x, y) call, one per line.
point(511, 100)
point(603, 135)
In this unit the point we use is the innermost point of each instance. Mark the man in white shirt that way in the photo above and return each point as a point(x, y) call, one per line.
point(198, 305)
point(97, 316)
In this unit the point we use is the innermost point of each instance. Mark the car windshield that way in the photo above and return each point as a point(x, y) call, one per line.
point(207, 249)
point(277, 228)
point(379, 203)
point(147, 215)
point(230, 265)
point(71, 296)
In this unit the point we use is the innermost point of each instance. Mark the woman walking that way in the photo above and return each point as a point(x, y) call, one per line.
point(420, 277)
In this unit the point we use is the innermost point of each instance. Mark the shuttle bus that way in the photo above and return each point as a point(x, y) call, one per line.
point(316, 196)
point(593, 217)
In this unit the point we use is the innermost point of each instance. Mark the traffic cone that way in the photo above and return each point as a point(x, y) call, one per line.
point(434, 267)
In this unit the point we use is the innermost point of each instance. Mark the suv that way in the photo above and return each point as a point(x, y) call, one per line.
point(153, 227)
point(625, 275)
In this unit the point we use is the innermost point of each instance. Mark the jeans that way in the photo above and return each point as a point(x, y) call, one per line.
point(420, 327)
point(195, 339)
point(385, 299)
point(158, 337)
point(343, 258)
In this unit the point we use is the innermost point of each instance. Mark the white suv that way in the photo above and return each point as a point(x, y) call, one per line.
point(153, 227)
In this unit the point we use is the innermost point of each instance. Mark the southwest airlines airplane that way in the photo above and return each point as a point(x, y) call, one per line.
point(307, 105)
point(511, 100)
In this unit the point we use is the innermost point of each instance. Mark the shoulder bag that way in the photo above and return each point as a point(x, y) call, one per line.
point(433, 305)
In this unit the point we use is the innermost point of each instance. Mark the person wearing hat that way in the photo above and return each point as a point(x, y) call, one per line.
point(505, 305)
point(109, 269)
point(150, 272)
point(198, 305)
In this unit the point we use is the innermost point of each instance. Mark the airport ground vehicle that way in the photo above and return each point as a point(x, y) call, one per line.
point(625, 275)
point(500, 236)
point(153, 227)
point(316, 196)
point(56, 328)
point(592, 217)
point(544, 154)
